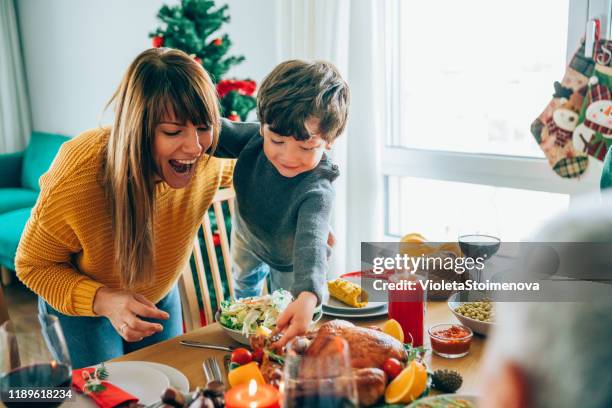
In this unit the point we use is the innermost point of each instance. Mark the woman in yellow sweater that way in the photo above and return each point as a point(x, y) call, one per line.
point(119, 207)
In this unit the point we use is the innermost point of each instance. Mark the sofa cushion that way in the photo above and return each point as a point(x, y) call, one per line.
point(38, 157)
point(11, 226)
point(16, 198)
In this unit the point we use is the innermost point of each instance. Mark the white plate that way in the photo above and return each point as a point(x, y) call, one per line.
point(176, 378)
point(139, 379)
point(438, 398)
point(334, 305)
point(359, 315)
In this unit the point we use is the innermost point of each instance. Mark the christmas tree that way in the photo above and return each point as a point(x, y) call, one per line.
point(193, 27)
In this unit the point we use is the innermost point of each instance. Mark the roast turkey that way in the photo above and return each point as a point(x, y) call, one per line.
point(369, 348)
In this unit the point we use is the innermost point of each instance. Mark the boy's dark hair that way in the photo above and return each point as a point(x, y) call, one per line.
point(296, 90)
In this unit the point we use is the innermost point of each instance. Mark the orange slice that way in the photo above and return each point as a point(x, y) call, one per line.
point(244, 374)
point(393, 329)
point(413, 237)
point(408, 385)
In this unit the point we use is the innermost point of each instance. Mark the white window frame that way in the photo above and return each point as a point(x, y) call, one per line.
point(485, 169)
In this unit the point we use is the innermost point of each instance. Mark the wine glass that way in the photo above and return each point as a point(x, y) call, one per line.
point(321, 377)
point(33, 353)
point(479, 246)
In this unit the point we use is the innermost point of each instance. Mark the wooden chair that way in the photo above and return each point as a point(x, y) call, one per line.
point(4, 316)
point(187, 288)
point(187, 285)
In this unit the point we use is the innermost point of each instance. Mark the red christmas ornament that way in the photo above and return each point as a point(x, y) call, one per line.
point(158, 41)
point(234, 117)
point(218, 42)
point(246, 87)
point(198, 60)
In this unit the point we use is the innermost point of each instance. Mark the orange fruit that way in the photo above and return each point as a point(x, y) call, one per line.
point(393, 329)
point(408, 385)
point(413, 237)
point(244, 374)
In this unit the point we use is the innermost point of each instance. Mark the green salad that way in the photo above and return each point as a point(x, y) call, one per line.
point(249, 313)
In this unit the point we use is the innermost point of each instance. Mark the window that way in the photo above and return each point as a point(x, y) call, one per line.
point(464, 81)
point(448, 209)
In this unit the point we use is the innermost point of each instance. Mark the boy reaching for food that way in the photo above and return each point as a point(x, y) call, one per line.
point(283, 181)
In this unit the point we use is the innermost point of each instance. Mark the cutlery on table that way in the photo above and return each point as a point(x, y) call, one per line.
point(212, 370)
point(191, 343)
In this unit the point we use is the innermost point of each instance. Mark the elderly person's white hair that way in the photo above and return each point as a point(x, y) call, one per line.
point(562, 350)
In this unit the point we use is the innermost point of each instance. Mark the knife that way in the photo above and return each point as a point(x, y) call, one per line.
point(206, 345)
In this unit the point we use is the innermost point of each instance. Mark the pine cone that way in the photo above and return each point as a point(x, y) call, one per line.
point(446, 380)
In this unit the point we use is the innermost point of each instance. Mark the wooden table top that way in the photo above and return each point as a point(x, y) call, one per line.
point(189, 360)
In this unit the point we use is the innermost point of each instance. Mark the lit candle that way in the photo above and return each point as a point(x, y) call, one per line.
point(252, 395)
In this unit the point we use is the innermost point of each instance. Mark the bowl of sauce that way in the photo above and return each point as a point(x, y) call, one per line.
point(450, 340)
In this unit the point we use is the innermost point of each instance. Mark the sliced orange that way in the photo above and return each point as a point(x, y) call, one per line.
point(413, 237)
point(408, 385)
point(393, 329)
point(244, 374)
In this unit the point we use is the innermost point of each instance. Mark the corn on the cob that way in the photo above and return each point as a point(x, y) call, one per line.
point(348, 292)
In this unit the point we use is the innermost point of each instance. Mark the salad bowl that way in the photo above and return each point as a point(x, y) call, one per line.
point(241, 318)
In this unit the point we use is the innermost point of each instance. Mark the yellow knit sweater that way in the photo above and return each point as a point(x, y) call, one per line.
point(66, 250)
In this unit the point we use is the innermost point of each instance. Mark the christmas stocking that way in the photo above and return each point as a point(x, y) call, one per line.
point(593, 135)
point(577, 122)
point(554, 128)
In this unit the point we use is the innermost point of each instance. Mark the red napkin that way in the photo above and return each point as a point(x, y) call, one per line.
point(109, 398)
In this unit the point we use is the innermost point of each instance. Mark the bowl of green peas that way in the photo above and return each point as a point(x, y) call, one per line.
point(474, 310)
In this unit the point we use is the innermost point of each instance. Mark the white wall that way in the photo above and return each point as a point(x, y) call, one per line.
point(76, 52)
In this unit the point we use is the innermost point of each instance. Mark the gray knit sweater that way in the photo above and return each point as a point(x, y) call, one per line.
point(285, 221)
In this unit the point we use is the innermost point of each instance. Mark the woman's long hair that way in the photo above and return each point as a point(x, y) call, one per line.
point(159, 83)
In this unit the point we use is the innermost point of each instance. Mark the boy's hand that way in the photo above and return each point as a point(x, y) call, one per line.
point(296, 319)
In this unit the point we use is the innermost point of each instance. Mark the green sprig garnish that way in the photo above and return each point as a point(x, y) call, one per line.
point(414, 353)
point(93, 384)
point(275, 357)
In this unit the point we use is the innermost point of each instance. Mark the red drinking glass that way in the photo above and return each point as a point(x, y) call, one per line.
point(407, 305)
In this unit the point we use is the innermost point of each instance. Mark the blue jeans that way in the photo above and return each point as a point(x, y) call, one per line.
point(250, 272)
point(91, 340)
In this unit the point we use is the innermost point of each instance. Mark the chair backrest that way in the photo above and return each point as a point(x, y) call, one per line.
point(4, 316)
point(187, 285)
point(191, 310)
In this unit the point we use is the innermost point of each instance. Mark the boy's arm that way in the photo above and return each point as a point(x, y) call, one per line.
point(233, 137)
point(310, 246)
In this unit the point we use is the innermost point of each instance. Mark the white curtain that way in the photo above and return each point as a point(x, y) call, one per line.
point(345, 33)
point(15, 122)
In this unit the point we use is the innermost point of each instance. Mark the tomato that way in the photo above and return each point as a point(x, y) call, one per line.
point(241, 356)
point(392, 368)
point(258, 355)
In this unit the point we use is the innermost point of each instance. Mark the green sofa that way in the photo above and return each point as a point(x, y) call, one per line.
point(19, 188)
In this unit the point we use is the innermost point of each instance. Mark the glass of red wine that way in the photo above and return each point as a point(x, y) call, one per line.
point(479, 246)
point(34, 357)
point(320, 376)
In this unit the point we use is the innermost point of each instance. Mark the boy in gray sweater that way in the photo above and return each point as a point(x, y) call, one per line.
point(283, 179)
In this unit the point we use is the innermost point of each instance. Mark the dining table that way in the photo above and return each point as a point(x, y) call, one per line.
point(189, 360)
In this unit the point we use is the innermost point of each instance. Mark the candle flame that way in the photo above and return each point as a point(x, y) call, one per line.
point(53, 364)
point(252, 388)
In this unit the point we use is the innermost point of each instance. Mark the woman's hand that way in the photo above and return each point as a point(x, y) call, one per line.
point(124, 310)
point(296, 319)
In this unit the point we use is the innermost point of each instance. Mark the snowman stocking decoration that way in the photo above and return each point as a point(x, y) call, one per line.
point(577, 123)
point(554, 128)
point(594, 133)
